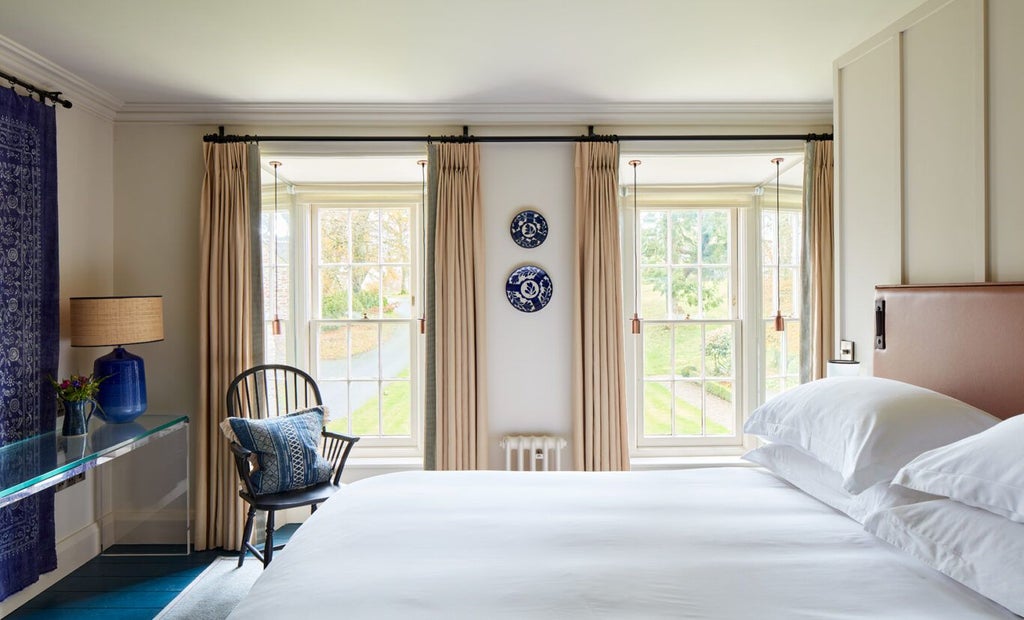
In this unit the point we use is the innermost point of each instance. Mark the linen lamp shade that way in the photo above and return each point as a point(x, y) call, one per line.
point(114, 322)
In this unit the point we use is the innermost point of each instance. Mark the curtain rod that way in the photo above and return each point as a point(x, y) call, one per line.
point(222, 138)
point(52, 95)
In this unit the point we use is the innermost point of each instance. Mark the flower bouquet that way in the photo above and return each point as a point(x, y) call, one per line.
point(76, 394)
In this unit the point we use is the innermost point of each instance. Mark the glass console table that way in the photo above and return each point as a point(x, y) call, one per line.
point(136, 524)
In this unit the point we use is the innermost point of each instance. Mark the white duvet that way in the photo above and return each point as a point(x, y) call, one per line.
point(717, 543)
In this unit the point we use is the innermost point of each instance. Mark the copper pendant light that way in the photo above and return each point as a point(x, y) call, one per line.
point(275, 325)
point(780, 323)
point(635, 322)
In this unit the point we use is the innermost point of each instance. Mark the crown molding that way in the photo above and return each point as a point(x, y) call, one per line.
point(33, 68)
point(775, 115)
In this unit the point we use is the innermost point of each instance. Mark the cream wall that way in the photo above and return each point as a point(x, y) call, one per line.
point(928, 155)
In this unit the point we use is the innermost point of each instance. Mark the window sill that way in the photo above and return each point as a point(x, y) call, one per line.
point(642, 463)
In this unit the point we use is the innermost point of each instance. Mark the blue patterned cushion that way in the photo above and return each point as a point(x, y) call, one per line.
point(286, 450)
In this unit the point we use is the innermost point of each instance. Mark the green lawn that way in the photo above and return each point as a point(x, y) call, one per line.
point(657, 419)
point(394, 411)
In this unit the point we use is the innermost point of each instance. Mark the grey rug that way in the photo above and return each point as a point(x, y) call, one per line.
point(215, 592)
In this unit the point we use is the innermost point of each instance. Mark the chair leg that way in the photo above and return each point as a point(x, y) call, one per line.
point(246, 533)
point(268, 545)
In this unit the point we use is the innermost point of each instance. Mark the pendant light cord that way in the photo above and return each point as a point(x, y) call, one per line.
point(276, 325)
point(423, 252)
point(635, 323)
point(780, 323)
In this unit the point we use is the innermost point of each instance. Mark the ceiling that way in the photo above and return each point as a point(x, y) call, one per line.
point(449, 51)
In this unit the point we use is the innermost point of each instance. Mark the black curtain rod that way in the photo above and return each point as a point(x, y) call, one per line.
point(223, 138)
point(52, 95)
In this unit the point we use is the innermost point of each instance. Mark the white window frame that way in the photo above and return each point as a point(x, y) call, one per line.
point(300, 328)
point(747, 205)
point(396, 446)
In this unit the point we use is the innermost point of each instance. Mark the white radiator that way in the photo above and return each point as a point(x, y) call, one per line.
point(533, 448)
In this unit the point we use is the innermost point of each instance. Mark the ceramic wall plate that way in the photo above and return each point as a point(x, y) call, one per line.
point(529, 229)
point(528, 288)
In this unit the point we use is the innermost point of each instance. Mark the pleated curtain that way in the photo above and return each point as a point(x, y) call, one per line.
point(227, 303)
point(818, 327)
point(459, 426)
point(599, 370)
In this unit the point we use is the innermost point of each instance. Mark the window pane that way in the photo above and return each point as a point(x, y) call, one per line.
point(685, 302)
point(790, 290)
point(657, 350)
point(366, 292)
point(397, 298)
point(720, 411)
point(715, 237)
point(688, 346)
point(395, 235)
point(768, 292)
point(334, 292)
point(790, 238)
point(365, 407)
point(275, 348)
point(684, 237)
point(653, 238)
point(688, 408)
point(365, 352)
point(394, 351)
point(335, 395)
point(332, 347)
point(657, 408)
point(773, 350)
point(793, 348)
point(718, 351)
point(768, 255)
point(365, 236)
point(396, 406)
point(653, 289)
point(715, 293)
point(334, 236)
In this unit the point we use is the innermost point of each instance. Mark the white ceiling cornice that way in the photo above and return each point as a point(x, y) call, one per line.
point(775, 115)
point(33, 68)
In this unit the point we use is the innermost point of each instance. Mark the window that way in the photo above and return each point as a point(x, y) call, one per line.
point(708, 352)
point(781, 349)
point(362, 327)
point(347, 284)
point(687, 282)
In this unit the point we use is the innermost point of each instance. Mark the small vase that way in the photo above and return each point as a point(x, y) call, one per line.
point(76, 417)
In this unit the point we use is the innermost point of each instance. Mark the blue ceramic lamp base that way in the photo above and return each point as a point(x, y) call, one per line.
point(122, 395)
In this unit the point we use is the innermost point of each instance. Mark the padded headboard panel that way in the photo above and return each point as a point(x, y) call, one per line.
point(964, 340)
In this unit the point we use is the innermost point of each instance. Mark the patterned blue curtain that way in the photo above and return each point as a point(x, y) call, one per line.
point(29, 323)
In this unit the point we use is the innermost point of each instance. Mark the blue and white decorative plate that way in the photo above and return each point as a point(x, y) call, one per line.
point(528, 289)
point(529, 229)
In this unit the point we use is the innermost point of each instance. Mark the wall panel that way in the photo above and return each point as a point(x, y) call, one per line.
point(868, 198)
point(943, 142)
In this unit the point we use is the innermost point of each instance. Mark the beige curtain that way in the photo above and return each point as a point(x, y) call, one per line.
point(818, 329)
point(461, 414)
point(599, 368)
point(225, 337)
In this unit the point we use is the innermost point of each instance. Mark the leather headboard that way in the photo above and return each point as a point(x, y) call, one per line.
point(964, 340)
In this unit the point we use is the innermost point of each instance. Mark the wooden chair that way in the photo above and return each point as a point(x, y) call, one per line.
point(274, 390)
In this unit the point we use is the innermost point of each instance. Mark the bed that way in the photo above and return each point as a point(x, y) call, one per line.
point(732, 542)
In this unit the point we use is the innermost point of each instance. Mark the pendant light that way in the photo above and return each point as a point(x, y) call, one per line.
point(635, 323)
point(275, 326)
point(423, 246)
point(780, 323)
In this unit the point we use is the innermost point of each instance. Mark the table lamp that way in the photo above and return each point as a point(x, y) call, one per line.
point(115, 322)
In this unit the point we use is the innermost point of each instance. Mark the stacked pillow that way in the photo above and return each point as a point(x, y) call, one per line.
point(976, 533)
point(843, 439)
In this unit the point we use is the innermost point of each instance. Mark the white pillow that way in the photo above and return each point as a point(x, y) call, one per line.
point(984, 470)
point(825, 485)
point(981, 550)
point(865, 428)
